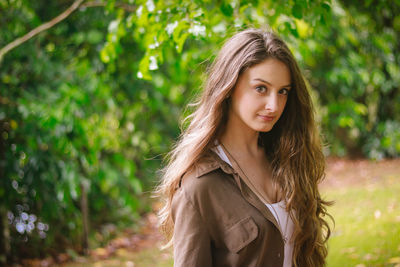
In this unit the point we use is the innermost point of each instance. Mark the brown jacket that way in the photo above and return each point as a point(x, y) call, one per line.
point(219, 221)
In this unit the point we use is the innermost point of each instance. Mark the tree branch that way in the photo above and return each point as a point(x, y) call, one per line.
point(39, 29)
point(124, 6)
point(59, 18)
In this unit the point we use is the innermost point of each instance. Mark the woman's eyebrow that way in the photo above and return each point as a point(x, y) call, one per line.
point(264, 81)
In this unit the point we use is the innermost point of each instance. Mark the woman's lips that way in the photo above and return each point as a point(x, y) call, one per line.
point(266, 118)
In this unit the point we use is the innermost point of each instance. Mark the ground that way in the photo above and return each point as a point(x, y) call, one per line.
point(366, 231)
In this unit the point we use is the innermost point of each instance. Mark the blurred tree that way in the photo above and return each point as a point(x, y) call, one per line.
point(70, 123)
point(93, 101)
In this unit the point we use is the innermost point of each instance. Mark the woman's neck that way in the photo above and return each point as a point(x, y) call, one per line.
point(241, 141)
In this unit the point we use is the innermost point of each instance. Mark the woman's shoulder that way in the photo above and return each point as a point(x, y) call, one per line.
point(209, 175)
point(204, 172)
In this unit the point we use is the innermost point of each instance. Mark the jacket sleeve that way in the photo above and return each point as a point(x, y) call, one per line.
point(192, 244)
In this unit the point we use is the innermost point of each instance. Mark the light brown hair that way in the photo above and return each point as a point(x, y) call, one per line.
point(293, 145)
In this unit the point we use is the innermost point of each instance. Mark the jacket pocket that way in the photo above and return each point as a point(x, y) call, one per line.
point(240, 234)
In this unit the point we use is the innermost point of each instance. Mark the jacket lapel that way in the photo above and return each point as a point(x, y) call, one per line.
point(247, 192)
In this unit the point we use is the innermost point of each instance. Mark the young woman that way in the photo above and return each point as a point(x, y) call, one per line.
point(240, 186)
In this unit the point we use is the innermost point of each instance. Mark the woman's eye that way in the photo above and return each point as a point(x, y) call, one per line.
point(261, 89)
point(284, 91)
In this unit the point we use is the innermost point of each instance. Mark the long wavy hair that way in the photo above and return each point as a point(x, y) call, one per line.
point(293, 146)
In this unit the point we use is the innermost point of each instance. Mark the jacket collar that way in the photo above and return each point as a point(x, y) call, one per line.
point(211, 161)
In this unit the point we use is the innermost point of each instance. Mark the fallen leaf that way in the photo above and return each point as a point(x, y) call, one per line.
point(349, 250)
point(394, 260)
point(100, 253)
point(120, 242)
point(62, 257)
point(377, 214)
point(391, 207)
point(369, 257)
point(122, 252)
point(354, 256)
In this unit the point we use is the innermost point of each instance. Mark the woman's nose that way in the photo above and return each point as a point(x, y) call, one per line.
point(271, 102)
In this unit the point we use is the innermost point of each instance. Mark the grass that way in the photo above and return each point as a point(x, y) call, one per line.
point(126, 258)
point(367, 230)
point(366, 213)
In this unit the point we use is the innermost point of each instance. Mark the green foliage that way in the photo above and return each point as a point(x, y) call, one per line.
point(348, 54)
point(96, 100)
point(70, 124)
point(355, 75)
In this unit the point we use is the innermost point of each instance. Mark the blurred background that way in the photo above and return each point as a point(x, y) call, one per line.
point(91, 98)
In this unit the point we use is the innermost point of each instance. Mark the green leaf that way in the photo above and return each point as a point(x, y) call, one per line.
point(144, 68)
point(326, 6)
point(360, 109)
point(136, 185)
point(226, 9)
point(181, 41)
point(297, 11)
point(346, 121)
point(94, 37)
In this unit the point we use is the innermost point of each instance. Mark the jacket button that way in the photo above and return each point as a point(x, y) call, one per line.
point(279, 255)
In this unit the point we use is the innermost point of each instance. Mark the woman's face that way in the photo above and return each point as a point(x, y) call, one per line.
point(260, 95)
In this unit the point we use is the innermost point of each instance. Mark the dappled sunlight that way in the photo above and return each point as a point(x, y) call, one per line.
point(92, 94)
point(366, 213)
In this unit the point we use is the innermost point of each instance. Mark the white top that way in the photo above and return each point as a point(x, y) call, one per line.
point(281, 215)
